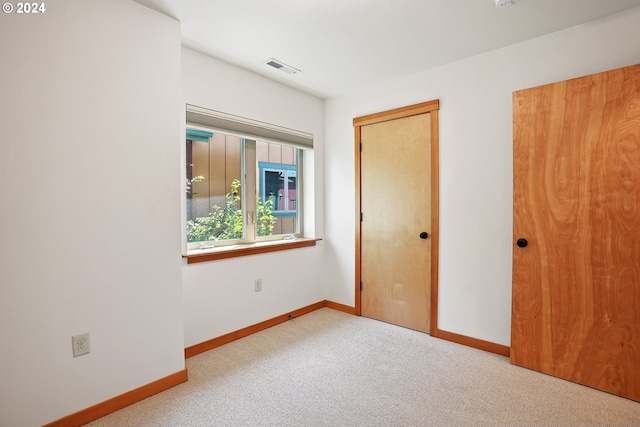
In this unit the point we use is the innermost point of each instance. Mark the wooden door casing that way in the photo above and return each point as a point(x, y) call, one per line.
point(576, 285)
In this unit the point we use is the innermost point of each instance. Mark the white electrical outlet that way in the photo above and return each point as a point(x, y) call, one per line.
point(257, 285)
point(81, 344)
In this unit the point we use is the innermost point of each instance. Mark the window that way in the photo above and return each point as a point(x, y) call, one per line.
point(240, 188)
point(278, 184)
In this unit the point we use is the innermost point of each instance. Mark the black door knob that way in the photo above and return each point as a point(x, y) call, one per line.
point(424, 235)
point(522, 243)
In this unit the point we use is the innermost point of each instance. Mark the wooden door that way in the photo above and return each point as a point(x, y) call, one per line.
point(576, 284)
point(395, 200)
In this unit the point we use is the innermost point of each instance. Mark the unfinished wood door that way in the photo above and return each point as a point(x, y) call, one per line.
point(576, 283)
point(396, 208)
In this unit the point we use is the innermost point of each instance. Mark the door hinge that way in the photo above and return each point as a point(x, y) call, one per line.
point(360, 285)
point(361, 147)
point(360, 216)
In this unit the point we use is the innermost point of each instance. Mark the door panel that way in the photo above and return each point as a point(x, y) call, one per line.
point(396, 206)
point(576, 285)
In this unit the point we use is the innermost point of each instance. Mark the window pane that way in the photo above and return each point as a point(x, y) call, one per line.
point(273, 187)
point(214, 196)
point(292, 195)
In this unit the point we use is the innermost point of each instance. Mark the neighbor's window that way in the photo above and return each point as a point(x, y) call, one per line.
point(239, 190)
point(278, 190)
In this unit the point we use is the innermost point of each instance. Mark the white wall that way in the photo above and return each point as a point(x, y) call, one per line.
point(218, 296)
point(475, 163)
point(90, 217)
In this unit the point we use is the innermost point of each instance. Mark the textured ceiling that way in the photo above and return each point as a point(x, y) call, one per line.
point(344, 45)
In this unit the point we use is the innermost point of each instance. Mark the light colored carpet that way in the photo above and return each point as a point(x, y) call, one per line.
point(328, 368)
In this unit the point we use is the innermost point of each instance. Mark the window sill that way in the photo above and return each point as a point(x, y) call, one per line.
point(246, 250)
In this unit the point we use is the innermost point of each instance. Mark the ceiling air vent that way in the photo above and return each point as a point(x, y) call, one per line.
point(281, 66)
point(503, 3)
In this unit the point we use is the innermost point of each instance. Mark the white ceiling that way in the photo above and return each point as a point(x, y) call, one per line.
point(344, 45)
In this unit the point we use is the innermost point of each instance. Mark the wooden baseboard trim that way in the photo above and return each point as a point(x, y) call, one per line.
point(241, 333)
point(340, 307)
point(114, 404)
point(491, 347)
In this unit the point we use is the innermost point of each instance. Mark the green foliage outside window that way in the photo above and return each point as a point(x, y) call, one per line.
point(225, 223)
